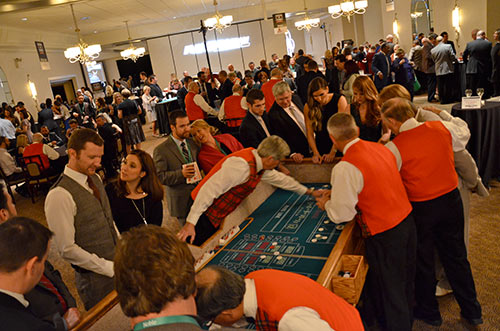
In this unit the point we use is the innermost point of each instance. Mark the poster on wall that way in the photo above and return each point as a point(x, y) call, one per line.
point(42, 55)
point(389, 5)
point(279, 22)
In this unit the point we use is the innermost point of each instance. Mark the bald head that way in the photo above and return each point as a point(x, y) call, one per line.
point(481, 35)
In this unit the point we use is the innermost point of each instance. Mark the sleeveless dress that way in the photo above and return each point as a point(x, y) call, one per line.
point(323, 141)
point(369, 133)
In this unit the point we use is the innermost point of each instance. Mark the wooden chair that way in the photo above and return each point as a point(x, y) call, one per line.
point(10, 182)
point(35, 175)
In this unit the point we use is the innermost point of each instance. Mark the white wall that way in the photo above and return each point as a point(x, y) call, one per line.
point(111, 69)
point(17, 77)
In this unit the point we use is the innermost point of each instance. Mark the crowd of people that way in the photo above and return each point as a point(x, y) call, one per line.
point(230, 132)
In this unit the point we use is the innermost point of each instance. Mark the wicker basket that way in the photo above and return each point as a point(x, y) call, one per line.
point(350, 288)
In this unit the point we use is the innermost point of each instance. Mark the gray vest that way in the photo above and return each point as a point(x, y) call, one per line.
point(94, 229)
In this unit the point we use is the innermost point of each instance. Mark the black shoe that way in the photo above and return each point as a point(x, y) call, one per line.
point(473, 321)
point(433, 322)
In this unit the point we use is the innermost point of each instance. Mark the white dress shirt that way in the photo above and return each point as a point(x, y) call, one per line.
point(457, 127)
point(8, 163)
point(7, 129)
point(233, 172)
point(243, 105)
point(60, 211)
point(50, 152)
point(297, 113)
point(347, 183)
point(295, 319)
point(261, 122)
point(200, 102)
point(18, 296)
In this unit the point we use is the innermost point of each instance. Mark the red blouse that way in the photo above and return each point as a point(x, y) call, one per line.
point(209, 156)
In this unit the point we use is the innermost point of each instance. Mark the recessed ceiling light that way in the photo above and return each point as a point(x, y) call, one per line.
point(24, 19)
point(85, 18)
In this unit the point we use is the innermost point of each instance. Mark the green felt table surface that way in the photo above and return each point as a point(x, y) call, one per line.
point(287, 232)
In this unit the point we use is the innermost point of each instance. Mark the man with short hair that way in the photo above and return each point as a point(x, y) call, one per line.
point(168, 284)
point(110, 156)
point(274, 61)
point(226, 86)
point(424, 157)
point(7, 129)
point(196, 107)
point(156, 90)
point(225, 297)
point(495, 60)
point(267, 87)
point(230, 181)
point(477, 56)
point(303, 81)
point(230, 69)
point(366, 182)
point(252, 68)
point(50, 138)
point(78, 212)
point(234, 107)
point(428, 66)
point(381, 67)
point(24, 247)
point(183, 91)
point(444, 57)
point(171, 158)
point(38, 148)
point(339, 74)
point(250, 84)
point(7, 162)
point(286, 118)
point(447, 41)
point(207, 90)
point(389, 41)
point(255, 126)
point(82, 112)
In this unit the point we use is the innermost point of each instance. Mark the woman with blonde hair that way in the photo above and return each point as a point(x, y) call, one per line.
point(21, 143)
point(365, 109)
point(214, 146)
point(321, 105)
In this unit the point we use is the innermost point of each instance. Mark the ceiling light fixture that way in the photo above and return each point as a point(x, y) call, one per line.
point(132, 52)
point(218, 22)
point(81, 52)
point(348, 8)
point(24, 19)
point(307, 23)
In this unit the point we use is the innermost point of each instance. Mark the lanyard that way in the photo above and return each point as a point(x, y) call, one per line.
point(164, 321)
point(180, 150)
point(218, 146)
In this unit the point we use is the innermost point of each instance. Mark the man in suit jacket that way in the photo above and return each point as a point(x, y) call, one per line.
point(443, 57)
point(381, 67)
point(303, 81)
point(207, 91)
point(46, 117)
point(82, 112)
point(255, 126)
point(168, 270)
point(428, 66)
point(226, 86)
point(155, 88)
point(477, 55)
point(287, 121)
point(170, 158)
point(20, 270)
point(495, 59)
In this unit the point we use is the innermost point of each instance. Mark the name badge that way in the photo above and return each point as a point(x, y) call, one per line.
point(471, 102)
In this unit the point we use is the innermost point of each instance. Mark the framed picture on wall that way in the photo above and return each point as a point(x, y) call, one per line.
point(389, 5)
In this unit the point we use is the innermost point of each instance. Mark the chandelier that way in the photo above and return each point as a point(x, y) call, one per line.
point(82, 51)
point(132, 52)
point(348, 8)
point(307, 23)
point(218, 22)
point(416, 14)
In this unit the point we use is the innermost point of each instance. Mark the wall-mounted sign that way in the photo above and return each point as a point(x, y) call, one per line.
point(219, 45)
point(389, 5)
point(42, 55)
point(279, 22)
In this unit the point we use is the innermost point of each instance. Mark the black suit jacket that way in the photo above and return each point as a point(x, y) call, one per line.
point(251, 132)
point(285, 127)
point(211, 93)
point(156, 91)
point(477, 55)
point(44, 304)
point(495, 59)
point(14, 316)
point(303, 83)
point(225, 90)
point(46, 117)
point(53, 137)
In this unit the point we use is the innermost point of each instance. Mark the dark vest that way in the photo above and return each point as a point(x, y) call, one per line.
point(94, 229)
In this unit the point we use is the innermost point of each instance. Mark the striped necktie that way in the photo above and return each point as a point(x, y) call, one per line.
point(185, 152)
point(45, 282)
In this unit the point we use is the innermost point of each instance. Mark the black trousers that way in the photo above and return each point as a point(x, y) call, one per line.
point(474, 81)
point(445, 88)
point(496, 88)
point(389, 288)
point(440, 226)
point(204, 229)
point(431, 87)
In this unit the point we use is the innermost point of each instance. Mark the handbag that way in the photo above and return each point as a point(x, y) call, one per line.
point(416, 84)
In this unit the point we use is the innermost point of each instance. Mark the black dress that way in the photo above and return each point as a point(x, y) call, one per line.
point(323, 142)
point(132, 129)
point(127, 215)
point(369, 133)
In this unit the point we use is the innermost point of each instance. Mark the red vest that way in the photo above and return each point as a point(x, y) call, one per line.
point(232, 109)
point(229, 201)
point(428, 167)
point(383, 201)
point(279, 291)
point(267, 89)
point(194, 112)
point(37, 149)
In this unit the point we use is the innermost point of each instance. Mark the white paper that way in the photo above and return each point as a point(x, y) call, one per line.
point(471, 102)
point(197, 173)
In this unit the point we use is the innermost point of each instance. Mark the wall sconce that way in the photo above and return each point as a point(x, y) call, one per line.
point(33, 92)
point(455, 21)
point(17, 60)
point(395, 27)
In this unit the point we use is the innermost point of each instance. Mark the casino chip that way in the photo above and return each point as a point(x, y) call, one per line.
point(275, 243)
point(276, 253)
point(279, 257)
point(318, 235)
point(339, 227)
point(324, 237)
point(263, 257)
point(320, 229)
point(326, 222)
point(314, 240)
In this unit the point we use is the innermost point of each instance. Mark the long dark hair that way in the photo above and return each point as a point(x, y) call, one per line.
point(150, 183)
point(315, 108)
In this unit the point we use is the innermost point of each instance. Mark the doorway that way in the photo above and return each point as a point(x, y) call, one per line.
point(65, 88)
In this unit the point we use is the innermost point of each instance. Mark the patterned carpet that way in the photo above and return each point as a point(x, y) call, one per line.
point(483, 255)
